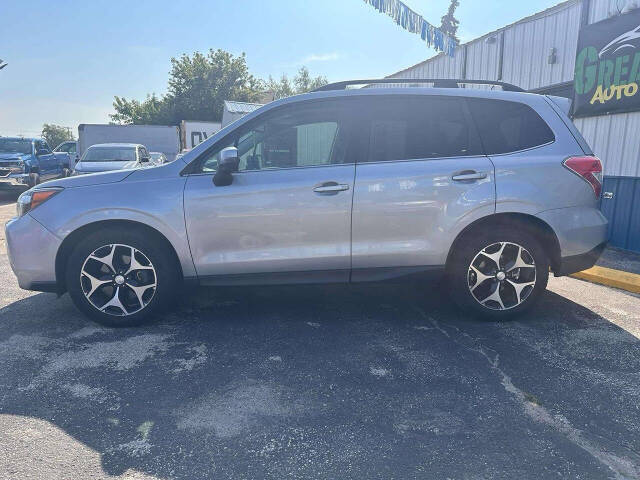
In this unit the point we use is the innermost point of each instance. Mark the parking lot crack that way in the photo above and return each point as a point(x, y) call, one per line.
point(622, 467)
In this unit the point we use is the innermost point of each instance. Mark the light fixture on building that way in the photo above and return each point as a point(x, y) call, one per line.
point(490, 40)
point(553, 56)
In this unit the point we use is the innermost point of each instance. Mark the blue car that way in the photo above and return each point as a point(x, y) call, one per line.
point(29, 161)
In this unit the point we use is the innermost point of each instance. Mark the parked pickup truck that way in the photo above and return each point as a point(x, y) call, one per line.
point(29, 161)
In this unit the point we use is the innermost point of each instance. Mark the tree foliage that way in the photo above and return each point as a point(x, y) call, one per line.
point(54, 135)
point(449, 23)
point(198, 86)
point(302, 83)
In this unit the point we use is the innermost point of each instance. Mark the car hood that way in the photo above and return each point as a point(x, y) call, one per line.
point(86, 180)
point(12, 156)
point(103, 166)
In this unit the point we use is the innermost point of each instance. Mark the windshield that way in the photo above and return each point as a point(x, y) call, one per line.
point(110, 154)
point(15, 145)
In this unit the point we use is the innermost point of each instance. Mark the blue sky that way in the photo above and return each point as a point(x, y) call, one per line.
point(68, 59)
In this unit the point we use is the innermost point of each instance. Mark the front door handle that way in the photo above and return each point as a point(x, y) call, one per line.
point(468, 175)
point(331, 187)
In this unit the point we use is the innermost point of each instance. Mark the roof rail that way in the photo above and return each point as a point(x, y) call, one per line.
point(437, 83)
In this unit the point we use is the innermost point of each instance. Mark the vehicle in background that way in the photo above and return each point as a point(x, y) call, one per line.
point(112, 156)
point(157, 138)
point(183, 153)
point(193, 133)
point(70, 147)
point(29, 161)
point(492, 190)
point(158, 158)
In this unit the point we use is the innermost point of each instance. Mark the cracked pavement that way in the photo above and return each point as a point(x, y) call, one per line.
point(368, 381)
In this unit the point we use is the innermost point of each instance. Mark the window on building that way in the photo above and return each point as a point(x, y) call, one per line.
point(508, 126)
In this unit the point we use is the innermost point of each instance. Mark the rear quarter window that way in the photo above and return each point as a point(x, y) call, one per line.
point(506, 126)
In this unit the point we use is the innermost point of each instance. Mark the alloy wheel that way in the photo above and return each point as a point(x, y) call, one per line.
point(118, 279)
point(502, 275)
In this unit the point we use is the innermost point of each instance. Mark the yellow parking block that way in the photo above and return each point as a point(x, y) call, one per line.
point(612, 278)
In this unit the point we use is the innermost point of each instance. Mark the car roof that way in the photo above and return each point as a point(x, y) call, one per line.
point(132, 145)
point(29, 139)
point(390, 91)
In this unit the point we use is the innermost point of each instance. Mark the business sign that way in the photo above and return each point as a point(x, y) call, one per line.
point(607, 75)
point(194, 132)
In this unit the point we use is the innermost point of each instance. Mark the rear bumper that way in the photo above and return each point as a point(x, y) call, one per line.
point(577, 263)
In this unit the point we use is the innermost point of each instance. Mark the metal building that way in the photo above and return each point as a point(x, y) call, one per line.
point(538, 53)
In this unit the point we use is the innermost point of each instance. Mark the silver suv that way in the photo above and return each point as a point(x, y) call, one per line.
point(493, 189)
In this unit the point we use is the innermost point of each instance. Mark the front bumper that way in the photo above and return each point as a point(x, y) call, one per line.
point(15, 179)
point(32, 250)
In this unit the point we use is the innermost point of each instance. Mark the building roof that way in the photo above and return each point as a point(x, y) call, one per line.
point(241, 107)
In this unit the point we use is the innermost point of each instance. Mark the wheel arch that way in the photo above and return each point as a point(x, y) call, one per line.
point(537, 227)
point(74, 237)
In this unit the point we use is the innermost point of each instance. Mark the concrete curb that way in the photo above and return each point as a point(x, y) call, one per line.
point(612, 278)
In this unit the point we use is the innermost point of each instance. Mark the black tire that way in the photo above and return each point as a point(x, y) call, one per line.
point(166, 273)
point(34, 179)
point(461, 279)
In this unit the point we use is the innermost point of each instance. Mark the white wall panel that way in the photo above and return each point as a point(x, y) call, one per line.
point(528, 44)
point(616, 140)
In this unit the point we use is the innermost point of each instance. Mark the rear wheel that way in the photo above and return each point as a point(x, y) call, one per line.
point(498, 274)
point(121, 278)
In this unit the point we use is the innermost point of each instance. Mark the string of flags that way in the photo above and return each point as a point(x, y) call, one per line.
point(414, 23)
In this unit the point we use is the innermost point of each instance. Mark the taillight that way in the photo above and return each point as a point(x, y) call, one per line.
point(589, 168)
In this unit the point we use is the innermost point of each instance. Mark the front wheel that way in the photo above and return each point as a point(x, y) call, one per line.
point(34, 179)
point(498, 274)
point(120, 278)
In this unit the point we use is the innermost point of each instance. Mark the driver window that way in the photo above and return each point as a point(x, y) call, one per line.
point(299, 136)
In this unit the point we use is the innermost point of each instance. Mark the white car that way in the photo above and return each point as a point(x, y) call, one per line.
point(106, 157)
point(158, 158)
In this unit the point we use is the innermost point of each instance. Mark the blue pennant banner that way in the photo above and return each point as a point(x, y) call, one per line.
point(414, 23)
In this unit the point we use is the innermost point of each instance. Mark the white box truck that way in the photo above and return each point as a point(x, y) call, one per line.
point(157, 138)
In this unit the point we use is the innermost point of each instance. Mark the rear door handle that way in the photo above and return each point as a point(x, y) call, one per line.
point(469, 175)
point(331, 187)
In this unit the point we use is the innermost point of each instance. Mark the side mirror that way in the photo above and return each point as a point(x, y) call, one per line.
point(145, 159)
point(228, 164)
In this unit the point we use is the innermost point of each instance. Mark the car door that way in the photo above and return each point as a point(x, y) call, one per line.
point(423, 178)
point(287, 215)
point(47, 161)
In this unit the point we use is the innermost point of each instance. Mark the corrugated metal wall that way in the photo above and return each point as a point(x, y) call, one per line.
point(532, 41)
point(616, 140)
point(600, 9)
point(622, 211)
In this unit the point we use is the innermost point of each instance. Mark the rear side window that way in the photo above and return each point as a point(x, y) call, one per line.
point(407, 128)
point(508, 126)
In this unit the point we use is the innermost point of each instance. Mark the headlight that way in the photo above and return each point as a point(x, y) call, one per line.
point(32, 198)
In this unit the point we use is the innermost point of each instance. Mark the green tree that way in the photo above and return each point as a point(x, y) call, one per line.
point(302, 83)
point(449, 23)
point(54, 135)
point(198, 86)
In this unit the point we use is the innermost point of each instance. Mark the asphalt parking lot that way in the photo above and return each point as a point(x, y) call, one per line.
point(373, 381)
